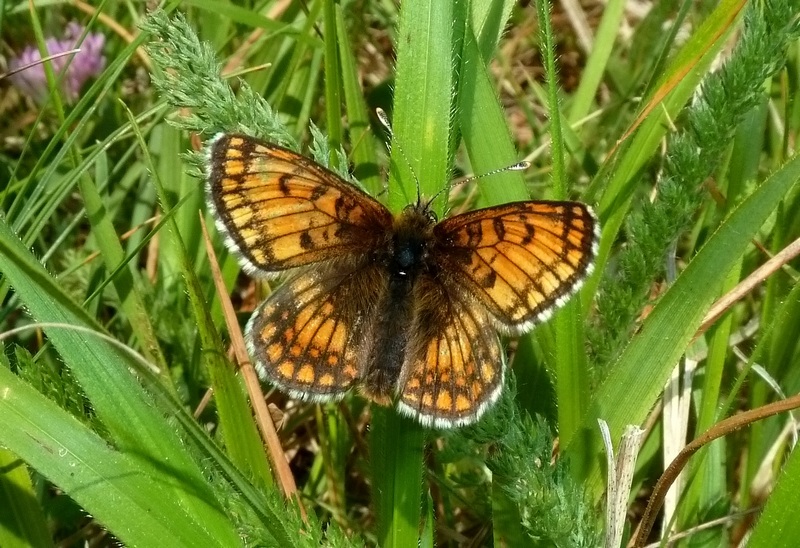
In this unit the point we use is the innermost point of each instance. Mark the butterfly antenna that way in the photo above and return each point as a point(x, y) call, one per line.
point(384, 120)
point(519, 166)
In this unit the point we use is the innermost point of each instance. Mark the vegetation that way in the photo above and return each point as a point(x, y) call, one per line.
point(124, 417)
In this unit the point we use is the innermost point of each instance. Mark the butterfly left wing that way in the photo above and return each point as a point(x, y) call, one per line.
point(280, 210)
point(521, 260)
point(454, 367)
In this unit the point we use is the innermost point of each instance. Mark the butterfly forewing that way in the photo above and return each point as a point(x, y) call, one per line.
point(280, 210)
point(521, 260)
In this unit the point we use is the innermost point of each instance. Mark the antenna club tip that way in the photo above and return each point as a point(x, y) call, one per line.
point(520, 166)
point(384, 119)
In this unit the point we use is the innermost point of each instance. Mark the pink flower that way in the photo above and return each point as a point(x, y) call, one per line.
point(88, 62)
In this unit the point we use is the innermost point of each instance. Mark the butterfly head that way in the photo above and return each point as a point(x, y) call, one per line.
point(421, 210)
point(415, 221)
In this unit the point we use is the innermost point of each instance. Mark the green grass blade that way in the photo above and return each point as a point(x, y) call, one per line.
point(241, 437)
point(422, 102)
point(679, 81)
point(23, 523)
point(422, 128)
point(333, 84)
point(128, 495)
point(483, 125)
point(362, 141)
point(569, 360)
point(396, 448)
point(637, 377)
point(595, 68)
point(778, 523)
point(251, 18)
point(101, 369)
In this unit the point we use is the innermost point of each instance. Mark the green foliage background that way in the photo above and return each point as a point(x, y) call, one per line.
point(678, 126)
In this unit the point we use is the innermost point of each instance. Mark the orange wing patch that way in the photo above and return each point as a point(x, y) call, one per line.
point(522, 260)
point(307, 338)
point(454, 367)
point(279, 210)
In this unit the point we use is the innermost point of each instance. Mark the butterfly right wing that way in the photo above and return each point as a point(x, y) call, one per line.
point(309, 337)
point(522, 260)
point(280, 210)
point(508, 265)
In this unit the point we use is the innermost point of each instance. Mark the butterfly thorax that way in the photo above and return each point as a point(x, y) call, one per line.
point(405, 259)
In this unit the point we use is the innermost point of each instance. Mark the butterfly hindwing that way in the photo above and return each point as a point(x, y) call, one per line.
point(280, 210)
point(454, 364)
point(309, 337)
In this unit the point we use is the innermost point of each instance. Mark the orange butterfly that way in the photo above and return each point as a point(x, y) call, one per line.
point(403, 306)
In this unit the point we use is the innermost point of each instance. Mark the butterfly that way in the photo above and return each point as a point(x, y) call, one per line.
point(405, 307)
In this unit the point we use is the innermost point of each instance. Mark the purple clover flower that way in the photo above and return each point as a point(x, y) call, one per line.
point(88, 62)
